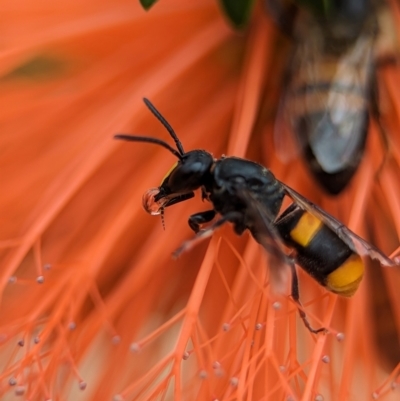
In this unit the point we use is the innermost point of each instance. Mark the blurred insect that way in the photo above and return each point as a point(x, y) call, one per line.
point(248, 195)
point(330, 85)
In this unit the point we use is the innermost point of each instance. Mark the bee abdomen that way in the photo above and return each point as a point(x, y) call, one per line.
point(320, 252)
point(347, 277)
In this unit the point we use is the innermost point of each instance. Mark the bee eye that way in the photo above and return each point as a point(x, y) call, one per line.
point(188, 173)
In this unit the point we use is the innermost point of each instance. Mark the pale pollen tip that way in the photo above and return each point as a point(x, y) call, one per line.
point(234, 381)
point(325, 359)
point(226, 327)
point(203, 374)
point(276, 305)
point(20, 390)
point(71, 326)
point(135, 347)
point(12, 381)
point(116, 340)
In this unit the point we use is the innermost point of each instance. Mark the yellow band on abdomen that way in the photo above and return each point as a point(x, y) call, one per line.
point(347, 277)
point(305, 229)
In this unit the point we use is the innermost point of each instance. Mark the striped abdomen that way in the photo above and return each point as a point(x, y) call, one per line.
point(320, 252)
point(327, 103)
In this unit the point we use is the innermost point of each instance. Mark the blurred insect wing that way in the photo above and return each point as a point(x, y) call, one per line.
point(266, 234)
point(325, 102)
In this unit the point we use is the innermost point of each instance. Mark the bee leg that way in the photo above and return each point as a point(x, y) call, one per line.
point(282, 15)
point(296, 297)
point(207, 232)
point(195, 220)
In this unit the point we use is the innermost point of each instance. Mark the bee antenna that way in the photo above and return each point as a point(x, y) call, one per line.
point(135, 138)
point(165, 123)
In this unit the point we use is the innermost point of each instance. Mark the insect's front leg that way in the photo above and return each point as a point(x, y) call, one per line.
point(296, 297)
point(207, 232)
point(195, 220)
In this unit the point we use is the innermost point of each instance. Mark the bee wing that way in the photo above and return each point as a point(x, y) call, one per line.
point(266, 234)
point(355, 243)
point(325, 105)
point(303, 102)
point(339, 125)
point(298, 100)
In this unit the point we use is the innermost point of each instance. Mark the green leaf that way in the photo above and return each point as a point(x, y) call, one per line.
point(39, 67)
point(238, 11)
point(147, 4)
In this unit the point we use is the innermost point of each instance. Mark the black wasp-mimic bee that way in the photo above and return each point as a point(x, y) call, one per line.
point(330, 84)
point(248, 195)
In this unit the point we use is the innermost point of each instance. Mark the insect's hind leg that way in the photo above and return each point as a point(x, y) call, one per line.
point(296, 297)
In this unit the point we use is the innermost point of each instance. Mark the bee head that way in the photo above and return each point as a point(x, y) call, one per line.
point(189, 173)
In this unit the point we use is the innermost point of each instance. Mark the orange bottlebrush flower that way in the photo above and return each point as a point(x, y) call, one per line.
point(93, 306)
